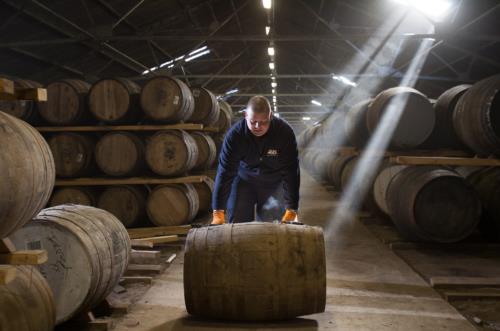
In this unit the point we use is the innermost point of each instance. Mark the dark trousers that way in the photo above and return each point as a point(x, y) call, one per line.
point(247, 197)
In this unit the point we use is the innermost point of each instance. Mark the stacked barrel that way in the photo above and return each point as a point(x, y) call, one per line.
point(429, 203)
point(122, 153)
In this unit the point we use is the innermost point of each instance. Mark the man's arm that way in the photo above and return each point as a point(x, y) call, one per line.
point(229, 161)
point(291, 172)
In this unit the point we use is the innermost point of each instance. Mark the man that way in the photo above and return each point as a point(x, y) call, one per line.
point(258, 169)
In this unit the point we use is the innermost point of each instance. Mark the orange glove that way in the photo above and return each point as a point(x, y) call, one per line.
point(218, 217)
point(289, 216)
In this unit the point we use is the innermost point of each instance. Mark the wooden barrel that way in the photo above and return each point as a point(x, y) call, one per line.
point(225, 116)
point(486, 183)
point(28, 173)
point(428, 203)
point(115, 100)
point(476, 118)
point(127, 203)
point(167, 99)
point(355, 124)
point(334, 172)
point(411, 109)
point(331, 133)
point(255, 271)
point(172, 204)
point(77, 195)
point(26, 303)
point(73, 154)
point(205, 190)
point(171, 152)
point(66, 102)
point(207, 151)
point(88, 250)
point(381, 184)
point(443, 135)
point(347, 172)
point(27, 110)
point(120, 154)
point(206, 107)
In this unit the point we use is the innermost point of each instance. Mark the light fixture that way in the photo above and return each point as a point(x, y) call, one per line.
point(275, 113)
point(270, 51)
point(197, 55)
point(273, 77)
point(274, 91)
point(306, 118)
point(153, 69)
point(197, 50)
point(435, 9)
point(170, 66)
point(317, 103)
point(181, 57)
point(231, 91)
point(344, 80)
point(267, 4)
point(271, 65)
point(274, 84)
point(145, 71)
point(166, 63)
point(268, 28)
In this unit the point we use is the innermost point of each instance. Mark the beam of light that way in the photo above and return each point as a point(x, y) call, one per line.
point(315, 102)
point(197, 50)
point(369, 161)
point(197, 55)
point(268, 29)
point(435, 9)
point(270, 51)
point(267, 4)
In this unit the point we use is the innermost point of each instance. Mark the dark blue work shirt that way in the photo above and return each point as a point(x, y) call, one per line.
point(266, 160)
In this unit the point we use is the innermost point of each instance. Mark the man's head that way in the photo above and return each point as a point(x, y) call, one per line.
point(258, 115)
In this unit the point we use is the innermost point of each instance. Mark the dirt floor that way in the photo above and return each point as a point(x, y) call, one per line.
point(368, 287)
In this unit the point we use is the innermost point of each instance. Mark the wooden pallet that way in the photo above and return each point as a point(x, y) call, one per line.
point(9, 92)
point(128, 181)
point(10, 257)
point(107, 128)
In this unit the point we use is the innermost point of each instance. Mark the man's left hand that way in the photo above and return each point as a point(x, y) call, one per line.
point(289, 216)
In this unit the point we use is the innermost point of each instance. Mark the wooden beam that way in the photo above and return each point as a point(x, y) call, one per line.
point(159, 240)
point(446, 282)
point(7, 246)
point(435, 160)
point(128, 181)
point(158, 231)
point(99, 128)
point(32, 257)
point(6, 87)
point(7, 274)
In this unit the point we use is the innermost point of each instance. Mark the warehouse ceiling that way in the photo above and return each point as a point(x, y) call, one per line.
point(354, 41)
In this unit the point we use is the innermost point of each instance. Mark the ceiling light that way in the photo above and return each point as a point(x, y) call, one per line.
point(181, 57)
point(344, 80)
point(275, 113)
point(274, 91)
point(197, 55)
point(305, 118)
point(267, 4)
point(317, 103)
point(166, 63)
point(268, 28)
point(197, 50)
point(170, 66)
point(271, 65)
point(270, 51)
point(274, 84)
point(231, 91)
point(436, 9)
point(145, 72)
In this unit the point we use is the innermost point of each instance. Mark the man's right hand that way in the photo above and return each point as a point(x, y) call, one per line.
point(218, 217)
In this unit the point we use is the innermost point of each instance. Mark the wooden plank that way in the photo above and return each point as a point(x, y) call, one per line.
point(476, 294)
point(7, 246)
point(159, 240)
point(171, 258)
point(98, 128)
point(136, 279)
point(144, 269)
point(144, 257)
point(128, 181)
point(32, 257)
point(446, 282)
point(36, 94)
point(7, 274)
point(141, 244)
point(6, 88)
point(158, 231)
point(435, 160)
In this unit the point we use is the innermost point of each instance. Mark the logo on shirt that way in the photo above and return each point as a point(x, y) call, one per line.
point(272, 152)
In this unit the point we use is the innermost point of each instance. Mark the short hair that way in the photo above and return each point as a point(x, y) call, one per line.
point(259, 104)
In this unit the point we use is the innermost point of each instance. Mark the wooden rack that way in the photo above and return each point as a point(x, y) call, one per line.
point(129, 181)
point(107, 128)
point(10, 257)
